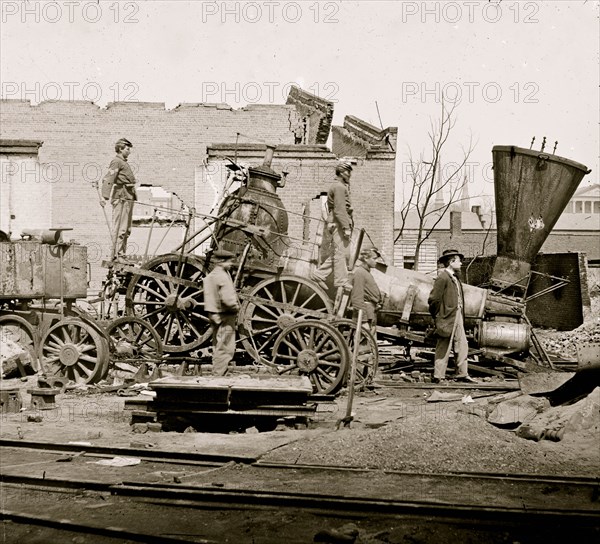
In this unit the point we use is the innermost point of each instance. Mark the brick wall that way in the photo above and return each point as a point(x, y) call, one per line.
point(316, 116)
point(79, 140)
point(356, 138)
point(170, 147)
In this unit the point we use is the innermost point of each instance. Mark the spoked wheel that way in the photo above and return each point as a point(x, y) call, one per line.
point(274, 304)
point(171, 300)
point(133, 341)
point(314, 349)
point(368, 354)
point(21, 332)
point(76, 350)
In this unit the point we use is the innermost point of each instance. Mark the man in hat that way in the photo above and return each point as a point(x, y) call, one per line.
point(366, 295)
point(222, 305)
point(338, 231)
point(446, 305)
point(118, 186)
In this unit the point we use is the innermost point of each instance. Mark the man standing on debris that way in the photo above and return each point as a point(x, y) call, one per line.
point(222, 305)
point(446, 305)
point(118, 186)
point(338, 230)
point(366, 295)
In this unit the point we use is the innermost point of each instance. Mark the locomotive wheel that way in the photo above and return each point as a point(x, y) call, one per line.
point(261, 323)
point(368, 354)
point(176, 312)
point(76, 350)
point(20, 331)
point(315, 349)
point(133, 340)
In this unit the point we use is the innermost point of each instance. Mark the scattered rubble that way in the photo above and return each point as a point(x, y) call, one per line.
point(565, 343)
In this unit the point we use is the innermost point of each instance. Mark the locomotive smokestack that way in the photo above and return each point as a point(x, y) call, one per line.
point(532, 189)
point(269, 156)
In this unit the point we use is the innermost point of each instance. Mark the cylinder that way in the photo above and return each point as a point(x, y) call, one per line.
point(399, 284)
point(505, 335)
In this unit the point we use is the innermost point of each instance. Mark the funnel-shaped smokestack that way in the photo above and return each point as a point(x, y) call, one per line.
point(532, 189)
point(269, 155)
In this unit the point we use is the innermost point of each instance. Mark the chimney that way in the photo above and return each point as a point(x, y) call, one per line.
point(455, 223)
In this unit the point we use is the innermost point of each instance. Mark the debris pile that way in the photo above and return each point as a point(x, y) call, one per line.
point(12, 356)
point(566, 343)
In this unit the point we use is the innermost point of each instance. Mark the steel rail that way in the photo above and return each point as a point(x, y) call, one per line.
point(207, 459)
point(198, 496)
point(118, 533)
point(345, 504)
point(520, 477)
point(148, 455)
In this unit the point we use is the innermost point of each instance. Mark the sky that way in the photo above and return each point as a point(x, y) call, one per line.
point(516, 69)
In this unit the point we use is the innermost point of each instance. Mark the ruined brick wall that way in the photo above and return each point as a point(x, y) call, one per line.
point(79, 141)
point(170, 149)
point(316, 116)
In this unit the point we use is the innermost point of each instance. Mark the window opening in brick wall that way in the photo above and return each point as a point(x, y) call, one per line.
point(409, 262)
point(158, 223)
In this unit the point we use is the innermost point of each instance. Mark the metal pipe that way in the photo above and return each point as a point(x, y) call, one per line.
point(149, 236)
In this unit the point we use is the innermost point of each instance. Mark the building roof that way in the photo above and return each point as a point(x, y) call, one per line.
point(588, 191)
point(470, 221)
point(578, 221)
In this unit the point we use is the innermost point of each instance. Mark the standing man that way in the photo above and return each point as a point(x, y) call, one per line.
point(338, 230)
point(366, 295)
point(118, 186)
point(446, 305)
point(222, 305)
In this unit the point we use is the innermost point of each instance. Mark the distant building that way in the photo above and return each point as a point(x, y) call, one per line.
point(473, 232)
point(585, 200)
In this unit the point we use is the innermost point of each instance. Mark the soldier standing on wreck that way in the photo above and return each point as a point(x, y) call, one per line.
point(338, 231)
point(118, 186)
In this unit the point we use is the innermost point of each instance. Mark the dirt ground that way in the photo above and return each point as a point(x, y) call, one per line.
point(394, 429)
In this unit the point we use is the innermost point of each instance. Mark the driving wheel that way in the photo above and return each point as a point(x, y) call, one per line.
point(273, 305)
point(76, 350)
point(171, 299)
point(315, 349)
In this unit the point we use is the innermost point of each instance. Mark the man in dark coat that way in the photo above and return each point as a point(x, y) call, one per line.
point(446, 305)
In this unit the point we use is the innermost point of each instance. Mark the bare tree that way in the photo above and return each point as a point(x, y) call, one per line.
point(429, 180)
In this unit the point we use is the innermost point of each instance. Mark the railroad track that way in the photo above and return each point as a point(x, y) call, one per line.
point(204, 484)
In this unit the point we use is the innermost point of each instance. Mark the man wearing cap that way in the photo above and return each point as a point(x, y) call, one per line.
point(366, 295)
point(338, 230)
point(222, 305)
point(118, 186)
point(446, 305)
